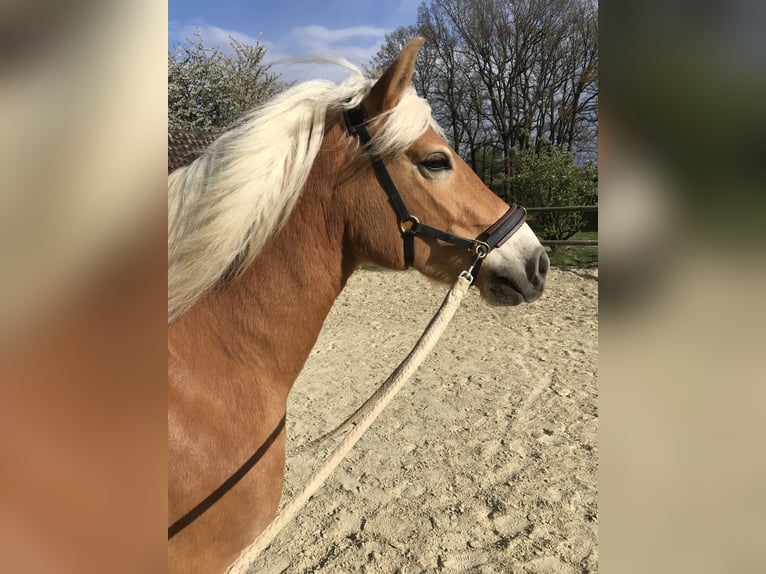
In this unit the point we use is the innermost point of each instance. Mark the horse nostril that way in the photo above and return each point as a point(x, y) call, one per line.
point(543, 265)
point(537, 269)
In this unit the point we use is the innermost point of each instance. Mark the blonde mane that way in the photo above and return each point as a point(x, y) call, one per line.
point(224, 207)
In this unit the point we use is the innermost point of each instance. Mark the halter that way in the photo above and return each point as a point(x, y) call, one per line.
point(410, 226)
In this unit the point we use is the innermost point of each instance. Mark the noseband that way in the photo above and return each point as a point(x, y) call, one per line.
point(410, 226)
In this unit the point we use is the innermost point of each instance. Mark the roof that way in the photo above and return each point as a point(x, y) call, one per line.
point(184, 146)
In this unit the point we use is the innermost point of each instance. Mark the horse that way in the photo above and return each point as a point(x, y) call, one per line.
point(264, 230)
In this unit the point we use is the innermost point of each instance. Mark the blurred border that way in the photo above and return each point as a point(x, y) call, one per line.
point(83, 258)
point(682, 283)
point(83, 91)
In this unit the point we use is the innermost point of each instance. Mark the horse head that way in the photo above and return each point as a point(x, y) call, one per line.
point(438, 191)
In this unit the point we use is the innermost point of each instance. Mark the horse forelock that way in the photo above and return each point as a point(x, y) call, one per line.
point(226, 205)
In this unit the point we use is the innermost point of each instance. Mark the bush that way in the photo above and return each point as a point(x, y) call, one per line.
point(209, 89)
point(549, 178)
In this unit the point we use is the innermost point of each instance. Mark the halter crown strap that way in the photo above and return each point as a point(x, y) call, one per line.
point(494, 236)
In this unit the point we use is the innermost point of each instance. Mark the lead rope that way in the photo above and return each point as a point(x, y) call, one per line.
point(372, 409)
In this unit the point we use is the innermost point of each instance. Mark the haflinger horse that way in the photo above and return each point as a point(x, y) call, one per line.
point(264, 230)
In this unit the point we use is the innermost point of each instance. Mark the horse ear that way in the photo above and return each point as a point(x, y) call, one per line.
point(388, 90)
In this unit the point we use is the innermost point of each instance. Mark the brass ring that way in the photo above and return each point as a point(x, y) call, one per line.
point(411, 219)
point(481, 249)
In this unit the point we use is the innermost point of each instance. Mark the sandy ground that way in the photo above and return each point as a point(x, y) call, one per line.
point(486, 461)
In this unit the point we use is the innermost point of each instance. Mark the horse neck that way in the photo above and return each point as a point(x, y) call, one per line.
point(257, 332)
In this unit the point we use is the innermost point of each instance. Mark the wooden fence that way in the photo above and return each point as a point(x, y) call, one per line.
point(571, 242)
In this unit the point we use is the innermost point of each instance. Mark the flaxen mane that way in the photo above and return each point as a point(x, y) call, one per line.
point(223, 208)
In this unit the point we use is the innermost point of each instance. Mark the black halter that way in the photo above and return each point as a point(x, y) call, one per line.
point(410, 226)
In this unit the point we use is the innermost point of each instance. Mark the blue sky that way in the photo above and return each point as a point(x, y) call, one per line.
point(353, 29)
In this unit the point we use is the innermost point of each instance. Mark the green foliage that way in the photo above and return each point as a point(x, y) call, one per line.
point(549, 177)
point(209, 89)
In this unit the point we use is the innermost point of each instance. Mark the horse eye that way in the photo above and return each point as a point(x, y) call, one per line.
point(436, 162)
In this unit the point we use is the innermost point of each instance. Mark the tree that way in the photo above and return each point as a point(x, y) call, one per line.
point(502, 75)
point(209, 89)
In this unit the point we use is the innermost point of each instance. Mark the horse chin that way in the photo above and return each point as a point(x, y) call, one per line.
point(499, 290)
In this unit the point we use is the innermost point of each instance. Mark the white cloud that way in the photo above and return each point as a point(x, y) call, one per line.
point(220, 36)
point(357, 44)
point(327, 37)
point(180, 32)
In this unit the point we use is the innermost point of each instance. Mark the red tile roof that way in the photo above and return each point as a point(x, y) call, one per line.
point(186, 146)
